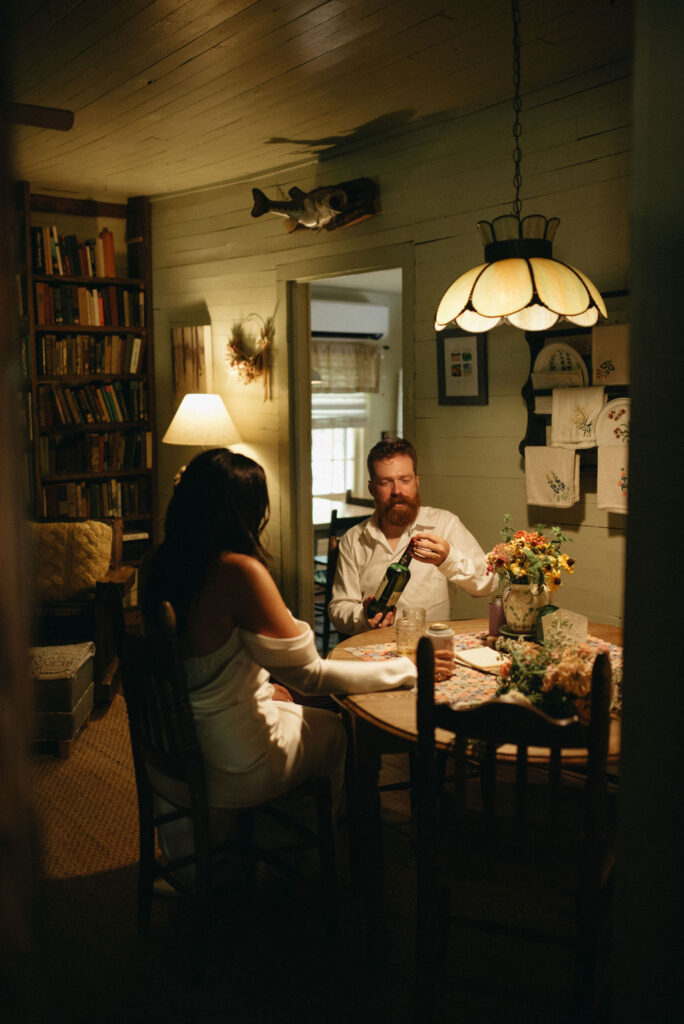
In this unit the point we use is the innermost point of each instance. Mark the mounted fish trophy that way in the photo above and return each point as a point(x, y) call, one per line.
point(329, 207)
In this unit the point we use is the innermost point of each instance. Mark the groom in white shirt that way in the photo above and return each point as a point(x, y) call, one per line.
point(445, 553)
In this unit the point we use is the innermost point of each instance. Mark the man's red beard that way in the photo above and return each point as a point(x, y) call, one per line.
point(401, 512)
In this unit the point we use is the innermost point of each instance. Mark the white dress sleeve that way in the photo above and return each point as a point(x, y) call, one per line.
point(296, 662)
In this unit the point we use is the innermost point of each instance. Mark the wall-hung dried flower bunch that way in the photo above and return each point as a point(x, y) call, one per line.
point(242, 340)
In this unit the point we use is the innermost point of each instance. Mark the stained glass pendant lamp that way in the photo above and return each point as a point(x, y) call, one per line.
point(520, 282)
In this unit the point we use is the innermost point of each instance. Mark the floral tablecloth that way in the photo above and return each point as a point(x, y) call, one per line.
point(470, 686)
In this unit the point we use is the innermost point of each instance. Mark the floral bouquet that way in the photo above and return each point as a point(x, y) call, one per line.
point(529, 556)
point(555, 677)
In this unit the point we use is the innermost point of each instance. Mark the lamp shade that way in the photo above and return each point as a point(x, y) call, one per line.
point(520, 282)
point(203, 422)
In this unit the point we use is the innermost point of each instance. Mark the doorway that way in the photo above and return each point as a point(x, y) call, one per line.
point(341, 279)
point(356, 376)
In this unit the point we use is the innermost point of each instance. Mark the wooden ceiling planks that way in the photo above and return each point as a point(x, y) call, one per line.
point(178, 95)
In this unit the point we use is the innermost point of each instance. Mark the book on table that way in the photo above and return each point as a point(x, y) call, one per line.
point(482, 658)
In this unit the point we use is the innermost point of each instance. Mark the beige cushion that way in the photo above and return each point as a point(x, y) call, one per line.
point(68, 558)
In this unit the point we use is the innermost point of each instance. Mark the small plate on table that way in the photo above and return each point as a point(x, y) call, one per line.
point(509, 634)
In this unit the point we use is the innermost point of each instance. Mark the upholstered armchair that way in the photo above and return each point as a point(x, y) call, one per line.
point(78, 589)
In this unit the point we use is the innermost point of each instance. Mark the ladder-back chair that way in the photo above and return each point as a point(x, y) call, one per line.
point(170, 771)
point(494, 724)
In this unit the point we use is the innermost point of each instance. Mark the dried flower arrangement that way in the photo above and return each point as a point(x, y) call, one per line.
point(249, 367)
point(555, 676)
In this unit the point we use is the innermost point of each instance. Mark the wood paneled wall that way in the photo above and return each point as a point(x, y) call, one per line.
point(214, 263)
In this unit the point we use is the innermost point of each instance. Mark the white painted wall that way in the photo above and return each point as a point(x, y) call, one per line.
point(214, 263)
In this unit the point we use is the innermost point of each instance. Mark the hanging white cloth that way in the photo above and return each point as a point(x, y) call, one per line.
point(610, 354)
point(573, 416)
point(552, 476)
point(612, 478)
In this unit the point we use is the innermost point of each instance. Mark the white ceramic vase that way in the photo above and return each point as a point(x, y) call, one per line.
point(521, 603)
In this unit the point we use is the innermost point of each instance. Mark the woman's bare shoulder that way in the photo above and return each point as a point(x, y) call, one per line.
point(235, 567)
point(249, 590)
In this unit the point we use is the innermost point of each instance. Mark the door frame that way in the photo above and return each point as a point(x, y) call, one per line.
point(293, 377)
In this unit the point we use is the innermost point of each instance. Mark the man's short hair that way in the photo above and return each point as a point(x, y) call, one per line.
point(388, 449)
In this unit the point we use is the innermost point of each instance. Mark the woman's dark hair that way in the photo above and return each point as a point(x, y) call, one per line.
point(219, 504)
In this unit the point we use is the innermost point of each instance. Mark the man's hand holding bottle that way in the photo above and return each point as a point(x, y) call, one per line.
point(385, 617)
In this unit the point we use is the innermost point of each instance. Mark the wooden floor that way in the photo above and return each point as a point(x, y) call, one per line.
point(268, 960)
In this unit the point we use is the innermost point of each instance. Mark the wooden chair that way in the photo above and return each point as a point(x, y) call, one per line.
point(586, 851)
point(89, 604)
point(367, 501)
point(169, 765)
point(338, 526)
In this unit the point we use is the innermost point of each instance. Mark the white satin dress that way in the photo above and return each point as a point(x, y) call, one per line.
point(256, 748)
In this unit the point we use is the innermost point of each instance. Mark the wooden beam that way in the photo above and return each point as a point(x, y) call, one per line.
point(40, 117)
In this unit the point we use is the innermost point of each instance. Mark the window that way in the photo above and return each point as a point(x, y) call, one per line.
point(337, 441)
point(333, 461)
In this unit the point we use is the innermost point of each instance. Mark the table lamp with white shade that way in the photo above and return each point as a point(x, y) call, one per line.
point(202, 421)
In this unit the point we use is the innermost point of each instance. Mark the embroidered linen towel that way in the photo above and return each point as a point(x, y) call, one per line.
point(552, 476)
point(573, 416)
point(612, 478)
point(610, 354)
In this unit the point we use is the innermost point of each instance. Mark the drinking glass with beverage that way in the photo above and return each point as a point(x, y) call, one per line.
point(409, 625)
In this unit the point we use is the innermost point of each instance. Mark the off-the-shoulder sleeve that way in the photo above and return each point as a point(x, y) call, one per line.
point(296, 662)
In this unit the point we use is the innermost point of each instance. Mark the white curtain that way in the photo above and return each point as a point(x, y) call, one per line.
point(343, 367)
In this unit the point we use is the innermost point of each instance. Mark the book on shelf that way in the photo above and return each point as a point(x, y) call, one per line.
point(47, 249)
point(120, 396)
point(136, 353)
point(37, 251)
point(111, 395)
point(108, 253)
point(58, 267)
point(99, 257)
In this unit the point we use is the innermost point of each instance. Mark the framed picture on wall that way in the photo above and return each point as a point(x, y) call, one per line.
point(461, 368)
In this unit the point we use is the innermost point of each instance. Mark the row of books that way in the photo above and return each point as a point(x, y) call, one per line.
point(88, 354)
point(52, 253)
point(95, 498)
point(109, 306)
point(96, 453)
point(118, 402)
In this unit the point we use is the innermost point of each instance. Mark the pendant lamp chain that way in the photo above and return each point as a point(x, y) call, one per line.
point(519, 283)
point(517, 129)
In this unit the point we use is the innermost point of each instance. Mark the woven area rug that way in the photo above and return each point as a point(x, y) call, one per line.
point(87, 803)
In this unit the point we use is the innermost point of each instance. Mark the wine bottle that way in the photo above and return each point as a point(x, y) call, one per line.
point(393, 583)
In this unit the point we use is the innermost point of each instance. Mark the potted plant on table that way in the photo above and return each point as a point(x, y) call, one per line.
point(529, 564)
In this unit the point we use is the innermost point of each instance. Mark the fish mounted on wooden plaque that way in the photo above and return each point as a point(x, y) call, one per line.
point(329, 207)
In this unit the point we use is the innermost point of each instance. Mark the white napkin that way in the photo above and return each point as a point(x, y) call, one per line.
point(552, 476)
point(612, 478)
point(573, 416)
point(610, 354)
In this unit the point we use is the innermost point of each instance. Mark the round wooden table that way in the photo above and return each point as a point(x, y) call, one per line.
point(393, 712)
point(385, 723)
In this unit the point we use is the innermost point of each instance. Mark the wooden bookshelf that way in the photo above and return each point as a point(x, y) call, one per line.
point(86, 329)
